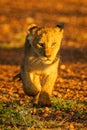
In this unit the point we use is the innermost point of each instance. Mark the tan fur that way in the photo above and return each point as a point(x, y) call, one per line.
point(39, 68)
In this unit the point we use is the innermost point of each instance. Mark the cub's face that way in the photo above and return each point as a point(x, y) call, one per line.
point(45, 42)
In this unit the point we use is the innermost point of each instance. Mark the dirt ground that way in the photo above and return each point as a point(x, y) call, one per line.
point(15, 16)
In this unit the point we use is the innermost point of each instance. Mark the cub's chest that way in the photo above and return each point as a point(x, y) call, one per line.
point(42, 69)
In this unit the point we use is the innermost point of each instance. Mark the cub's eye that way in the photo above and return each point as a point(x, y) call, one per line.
point(53, 44)
point(40, 45)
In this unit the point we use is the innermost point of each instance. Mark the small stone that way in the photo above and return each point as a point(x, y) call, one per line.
point(63, 67)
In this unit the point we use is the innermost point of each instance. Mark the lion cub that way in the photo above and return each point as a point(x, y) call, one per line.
point(39, 68)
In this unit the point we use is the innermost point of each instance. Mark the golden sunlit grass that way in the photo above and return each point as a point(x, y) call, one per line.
point(16, 115)
point(16, 109)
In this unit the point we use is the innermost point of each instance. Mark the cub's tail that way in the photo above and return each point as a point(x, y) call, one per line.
point(17, 77)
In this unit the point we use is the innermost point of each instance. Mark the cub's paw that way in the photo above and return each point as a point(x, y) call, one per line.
point(44, 100)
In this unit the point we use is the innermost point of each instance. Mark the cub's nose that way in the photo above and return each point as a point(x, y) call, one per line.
point(60, 25)
point(47, 55)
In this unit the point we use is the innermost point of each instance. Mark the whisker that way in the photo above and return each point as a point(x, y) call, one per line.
point(34, 61)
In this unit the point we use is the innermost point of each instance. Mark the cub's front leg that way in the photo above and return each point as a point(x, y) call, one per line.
point(48, 85)
point(31, 84)
point(46, 92)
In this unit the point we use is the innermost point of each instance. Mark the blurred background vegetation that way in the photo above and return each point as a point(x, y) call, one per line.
point(15, 16)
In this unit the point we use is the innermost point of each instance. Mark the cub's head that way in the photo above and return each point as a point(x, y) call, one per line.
point(45, 41)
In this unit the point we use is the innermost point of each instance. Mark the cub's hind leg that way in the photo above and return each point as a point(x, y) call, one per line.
point(36, 82)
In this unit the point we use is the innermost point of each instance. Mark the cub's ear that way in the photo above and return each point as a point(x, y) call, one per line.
point(32, 28)
point(60, 25)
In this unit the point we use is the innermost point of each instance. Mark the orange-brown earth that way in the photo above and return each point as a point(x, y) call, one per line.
point(72, 81)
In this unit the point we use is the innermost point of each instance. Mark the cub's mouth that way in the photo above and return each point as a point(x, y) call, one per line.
point(48, 61)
